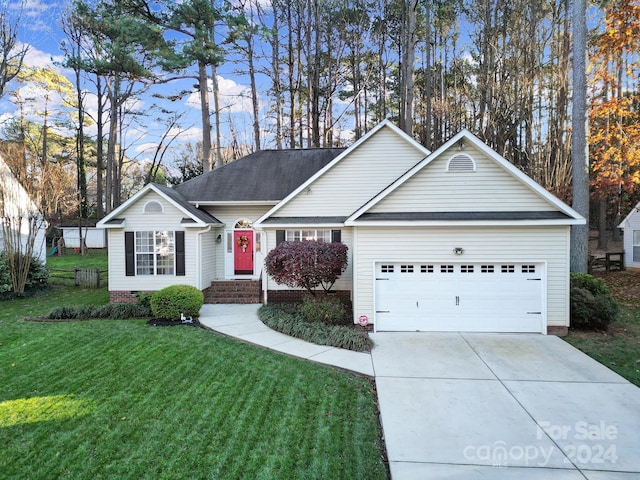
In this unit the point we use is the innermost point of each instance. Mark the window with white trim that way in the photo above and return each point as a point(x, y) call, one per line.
point(155, 253)
point(308, 235)
point(636, 245)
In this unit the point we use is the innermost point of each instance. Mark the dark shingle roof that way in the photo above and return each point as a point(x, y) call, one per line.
point(196, 212)
point(268, 175)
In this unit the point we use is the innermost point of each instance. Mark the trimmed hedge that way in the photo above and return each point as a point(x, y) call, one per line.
point(592, 306)
point(110, 310)
point(316, 332)
point(170, 302)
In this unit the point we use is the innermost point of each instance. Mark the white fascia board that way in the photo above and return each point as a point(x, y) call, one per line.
point(233, 203)
point(330, 165)
point(298, 225)
point(634, 211)
point(465, 223)
point(114, 226)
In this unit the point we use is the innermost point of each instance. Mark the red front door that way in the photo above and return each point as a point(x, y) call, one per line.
point(243, 252)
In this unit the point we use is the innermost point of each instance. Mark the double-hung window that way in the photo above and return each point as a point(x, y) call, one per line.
point(155, 252)
point(636, 245)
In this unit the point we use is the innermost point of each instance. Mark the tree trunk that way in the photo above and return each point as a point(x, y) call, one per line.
point(203, 80)
point(99, 146)
point(602, 224)
point(579, 146)
point(216, 115)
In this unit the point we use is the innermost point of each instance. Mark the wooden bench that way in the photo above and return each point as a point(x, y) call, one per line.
point(614, 261)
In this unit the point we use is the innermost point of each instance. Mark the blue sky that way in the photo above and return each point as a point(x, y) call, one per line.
point(40, 29)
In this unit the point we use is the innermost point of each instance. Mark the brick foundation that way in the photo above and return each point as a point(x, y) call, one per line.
point(124, 296)
point(294, 296)
point(557, 330)
point(233, 291)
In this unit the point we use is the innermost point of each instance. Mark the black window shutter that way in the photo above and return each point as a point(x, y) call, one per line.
point(336, 236)
point(180, 254)
point(279, 236)
point(129, 254)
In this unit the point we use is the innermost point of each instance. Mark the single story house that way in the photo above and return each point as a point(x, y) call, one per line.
point(452, 240)
point(631, 237)
point(21, 214)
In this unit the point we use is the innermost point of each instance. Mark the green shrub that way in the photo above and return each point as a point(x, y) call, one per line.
point(592, 306)
point(110, 310)
point(595, 285)
point(170, 302)
point(329, 311)
point(72, 312)
point(144, 298)
point(37, 277)
point(316, 332)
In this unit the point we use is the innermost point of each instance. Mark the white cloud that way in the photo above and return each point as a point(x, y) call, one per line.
point(234, 97)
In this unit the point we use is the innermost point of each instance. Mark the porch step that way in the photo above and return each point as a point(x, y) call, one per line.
point(233, 291)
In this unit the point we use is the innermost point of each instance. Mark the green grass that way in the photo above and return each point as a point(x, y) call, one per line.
point(93, 259)
point(618, 348)
point(72, 260)
point(121, 399)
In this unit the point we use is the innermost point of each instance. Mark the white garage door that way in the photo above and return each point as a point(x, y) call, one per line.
point(446, 297)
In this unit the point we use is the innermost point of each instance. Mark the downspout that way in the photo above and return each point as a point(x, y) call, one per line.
point(198, 250)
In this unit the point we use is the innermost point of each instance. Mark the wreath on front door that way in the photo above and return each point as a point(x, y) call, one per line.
point(243, 242)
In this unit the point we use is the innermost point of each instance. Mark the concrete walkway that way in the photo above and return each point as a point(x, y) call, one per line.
point(480, 406)
point(242, 322)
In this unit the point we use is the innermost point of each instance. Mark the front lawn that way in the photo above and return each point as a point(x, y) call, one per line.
point(121, 399)
point(619, 347)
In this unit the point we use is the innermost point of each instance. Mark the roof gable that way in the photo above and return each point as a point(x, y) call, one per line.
point(194, 217)
point(634, 211)
point(359, 172)
point(465, 180)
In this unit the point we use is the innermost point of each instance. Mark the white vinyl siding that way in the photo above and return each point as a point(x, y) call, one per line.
point(356, 178)
point(489, 188)
point(343, 283)
point(631, 240)
point(138, 221)
point(207, 249)
point(498, 245)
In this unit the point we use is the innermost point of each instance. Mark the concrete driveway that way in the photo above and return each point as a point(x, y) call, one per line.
point(502, 406)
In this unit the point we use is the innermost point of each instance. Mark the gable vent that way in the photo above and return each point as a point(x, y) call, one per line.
point(461, 163)
point(153, 207)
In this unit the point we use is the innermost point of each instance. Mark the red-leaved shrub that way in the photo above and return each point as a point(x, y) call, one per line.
point(307, 264)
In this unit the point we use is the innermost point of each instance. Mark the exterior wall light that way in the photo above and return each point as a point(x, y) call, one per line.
point(458, 250)
point(219, 238)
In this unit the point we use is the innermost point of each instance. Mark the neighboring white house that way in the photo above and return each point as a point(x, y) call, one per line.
point(454, 240)
point(93, 237)
point(631, 230)
point(15, 204)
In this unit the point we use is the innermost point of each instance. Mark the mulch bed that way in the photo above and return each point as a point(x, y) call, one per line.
point(156, 322)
